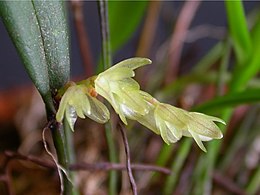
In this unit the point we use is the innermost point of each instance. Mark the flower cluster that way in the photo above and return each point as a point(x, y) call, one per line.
point(172, 123)
point(118, 87)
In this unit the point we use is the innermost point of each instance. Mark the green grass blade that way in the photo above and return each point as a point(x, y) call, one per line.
point(254, 184)
point(252, 66)
point(177, 164)
point(238, 29)
point(247, 96)
point(124, 18)
point(163, 157)
point(210, 58)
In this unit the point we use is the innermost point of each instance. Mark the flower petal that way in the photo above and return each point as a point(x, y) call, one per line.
point(128, 84)
point(146, 120)
point(120, 108)
point(171, 114)
point(202, 125)
point(135, 101)
point(163, 130)
point(63, 104)
point(117, 74)
point(204, 138)
point(167, 135)
point(132, 63)
point(79, 101)
point(176, 132)
point(98, 111)
point(71, 116)
point(212, 118)
point(61, 110)
point(198, 141)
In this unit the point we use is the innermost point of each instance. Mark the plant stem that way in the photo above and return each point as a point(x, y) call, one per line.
point(128, 159)
point(112, 158)
point(70, 153)
point(107, 61)
point(62, 139)
point(58, 137)
point(104, 23)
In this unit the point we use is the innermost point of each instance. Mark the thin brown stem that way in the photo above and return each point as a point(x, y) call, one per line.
point(178, 36)
point(54, 159)
point(149, 29)
point(102, 166)
point(106, 166)
point(43, 163)
point(147, 37)
point(128, 159)
point(5, 177)
point(82, 36)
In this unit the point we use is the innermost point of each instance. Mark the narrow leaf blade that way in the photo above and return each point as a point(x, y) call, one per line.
point(54, 33)
point(21, 23)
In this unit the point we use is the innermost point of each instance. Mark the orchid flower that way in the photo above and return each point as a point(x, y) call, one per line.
point(120, 90)
point(78, 101)
point(172, 123)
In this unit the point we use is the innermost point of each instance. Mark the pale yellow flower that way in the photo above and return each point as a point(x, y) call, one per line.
point(120, 90)
point(77, 101)
point(172, 123)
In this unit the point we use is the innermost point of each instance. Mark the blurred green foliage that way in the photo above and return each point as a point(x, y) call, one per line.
point(124, 19)
point(43, 47)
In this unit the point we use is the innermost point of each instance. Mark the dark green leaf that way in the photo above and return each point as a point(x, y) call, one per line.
point(21, 23)
point(52, 21)
point(39, 32)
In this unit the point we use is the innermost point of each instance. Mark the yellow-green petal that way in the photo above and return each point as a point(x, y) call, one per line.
point(128, 84)
point(171, 114)
point(98, 111)
point(163, 130)
point(62, 107)
point(118, 74)
point(132, 63)
point(172, 128)
point(71, 117)
point(198, 141)
point(202, 125)
point(61, 110)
